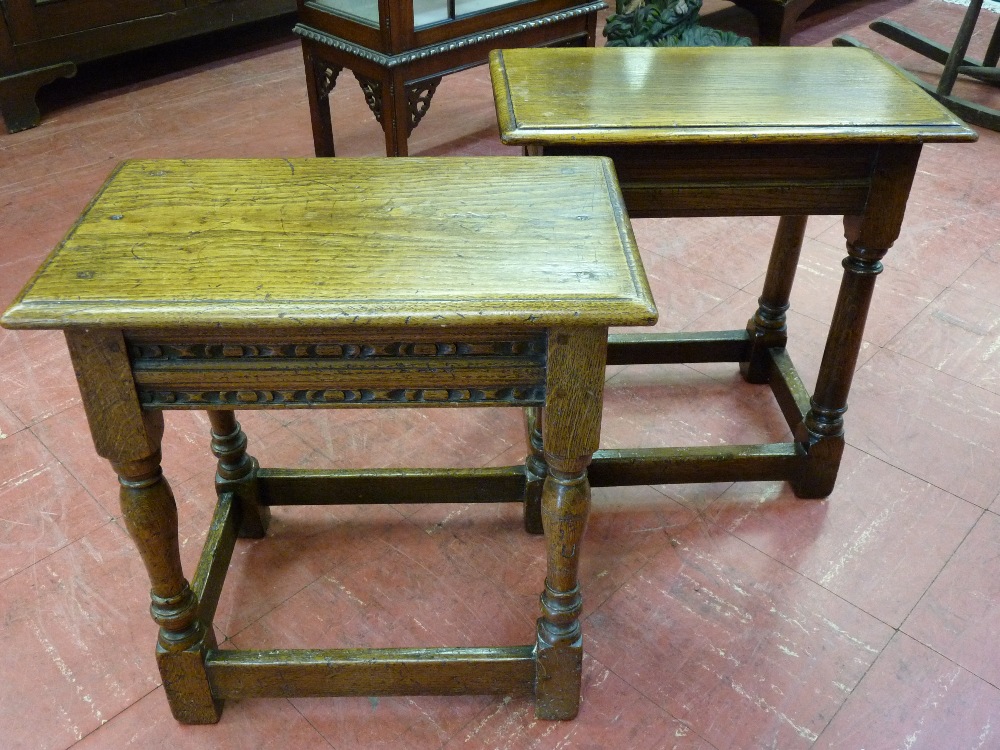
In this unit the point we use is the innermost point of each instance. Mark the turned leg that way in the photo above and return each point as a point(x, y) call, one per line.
point(151, 519)
point(823, 428)
point(869, 237)
point(237, 473)
point(571, 429)
point(559, 645)
point(767, 327)
point(535, 471)
point(321, 77)
point(129, 438)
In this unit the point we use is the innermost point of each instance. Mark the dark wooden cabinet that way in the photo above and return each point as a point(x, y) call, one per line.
point(775, 18)
point(41, 40)
point(398, 50)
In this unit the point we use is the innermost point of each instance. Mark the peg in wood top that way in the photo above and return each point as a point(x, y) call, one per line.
point(351, 242)
point(711, 95)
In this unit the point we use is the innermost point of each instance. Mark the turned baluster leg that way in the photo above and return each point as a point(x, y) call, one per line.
point(130, 439)
point(869, 238)
point(237, 473)
point(571, 430)
point(559, 647)
point(767, 327)
point(535, 470)
point(151, 519)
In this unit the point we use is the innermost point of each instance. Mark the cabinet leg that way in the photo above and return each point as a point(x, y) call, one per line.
point(559, 644)
point(775, 20)
point(17, 94)
point(321, 77)
point(395, 115)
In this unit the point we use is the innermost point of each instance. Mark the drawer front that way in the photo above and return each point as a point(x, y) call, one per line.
point(33, 20)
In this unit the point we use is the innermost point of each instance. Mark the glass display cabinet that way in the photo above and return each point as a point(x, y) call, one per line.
point(399, 50)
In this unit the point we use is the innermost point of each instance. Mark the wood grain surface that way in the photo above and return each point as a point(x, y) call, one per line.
point(352, 242)
point(720, 94)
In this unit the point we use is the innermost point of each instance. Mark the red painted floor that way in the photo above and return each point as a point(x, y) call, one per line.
point(717, 616)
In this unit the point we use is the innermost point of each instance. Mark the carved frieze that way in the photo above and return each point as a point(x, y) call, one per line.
point(171, 374)
point(404, 58)
point(149, 352)
point(534, 395)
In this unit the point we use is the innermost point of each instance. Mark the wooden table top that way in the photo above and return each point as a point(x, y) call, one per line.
point(711, 95)
point(499, 241)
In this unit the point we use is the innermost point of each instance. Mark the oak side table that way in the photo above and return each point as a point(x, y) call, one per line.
point(339, 283)
point(740, 132)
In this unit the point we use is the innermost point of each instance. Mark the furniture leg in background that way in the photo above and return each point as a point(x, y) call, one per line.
point(775, 18)
point(770, 131)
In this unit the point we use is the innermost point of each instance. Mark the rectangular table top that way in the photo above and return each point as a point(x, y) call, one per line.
point(579, 96)
point(280, 243)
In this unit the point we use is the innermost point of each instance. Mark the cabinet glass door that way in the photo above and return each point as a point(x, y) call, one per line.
point(425, 12)
point(466, 7)
point(365, 11)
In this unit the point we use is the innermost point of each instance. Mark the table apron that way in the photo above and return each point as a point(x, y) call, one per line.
point(738, 179)
point(667, 200)
point(431, 369)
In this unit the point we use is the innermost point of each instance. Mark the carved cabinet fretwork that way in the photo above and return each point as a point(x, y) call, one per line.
point(400, 49)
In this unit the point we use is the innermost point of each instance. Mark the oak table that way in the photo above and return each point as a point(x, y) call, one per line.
point(740, 132)
point(339, 283)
